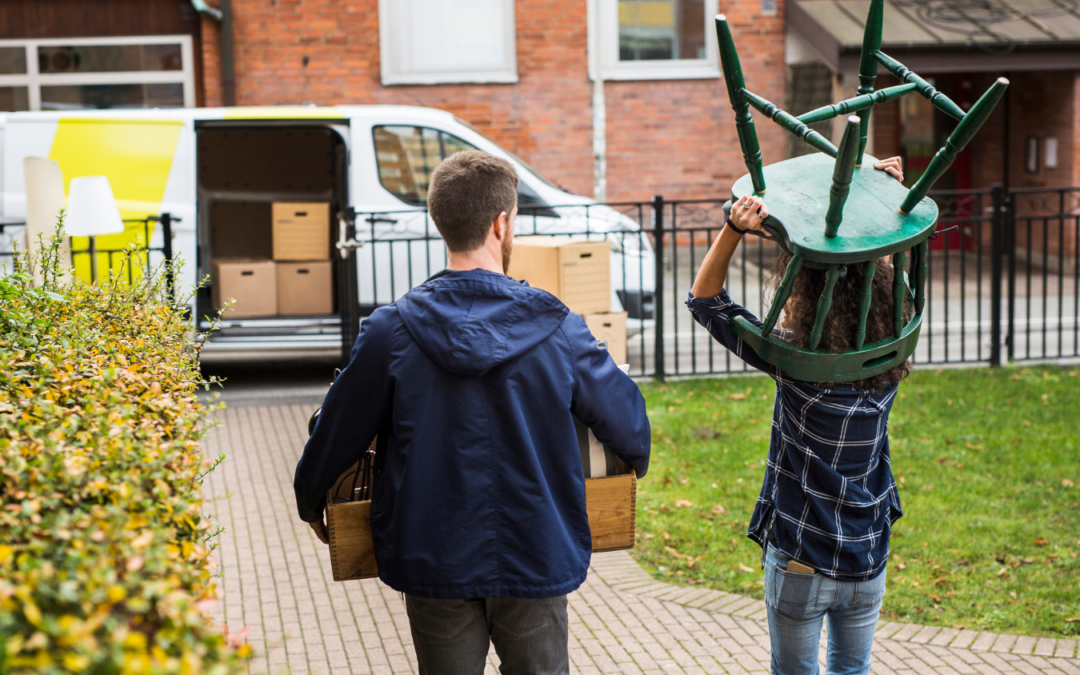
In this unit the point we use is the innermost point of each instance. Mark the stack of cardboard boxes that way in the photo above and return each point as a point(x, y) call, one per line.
point(297, 281)
point(578, 272)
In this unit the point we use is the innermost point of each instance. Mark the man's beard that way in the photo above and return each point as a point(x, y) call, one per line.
point(507, 248)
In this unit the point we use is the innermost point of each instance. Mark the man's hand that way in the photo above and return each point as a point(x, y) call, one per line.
point(748, 213)
point(891, 166)
point(320, 530)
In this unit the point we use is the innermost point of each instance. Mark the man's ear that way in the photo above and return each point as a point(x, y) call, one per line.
point(502, 226)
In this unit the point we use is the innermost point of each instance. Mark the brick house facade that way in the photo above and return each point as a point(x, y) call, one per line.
point(673, 137)
point(669, 137)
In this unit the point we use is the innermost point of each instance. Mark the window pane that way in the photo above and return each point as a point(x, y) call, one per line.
point(12, 60)
point(464, 34)
point(109, 58)
point(13, 99)
point(453, 144)
point(651, 30)
point(406, 156)
point(91, 96)
point(394, 162)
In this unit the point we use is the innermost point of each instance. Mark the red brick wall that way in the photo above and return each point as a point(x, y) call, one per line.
point(675, 138)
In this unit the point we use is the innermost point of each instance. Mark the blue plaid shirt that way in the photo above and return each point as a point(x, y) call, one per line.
point(829, 493)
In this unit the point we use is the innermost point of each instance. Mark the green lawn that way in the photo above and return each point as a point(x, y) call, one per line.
point(987, 463)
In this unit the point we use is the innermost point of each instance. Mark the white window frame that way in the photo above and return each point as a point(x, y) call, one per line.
point(671, 69)
point(395, 43)
point(33, 80)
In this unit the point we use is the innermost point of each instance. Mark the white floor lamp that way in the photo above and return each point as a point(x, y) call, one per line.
point(92, 212)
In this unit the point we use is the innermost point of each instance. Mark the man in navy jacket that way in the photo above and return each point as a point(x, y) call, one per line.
point(471, 382)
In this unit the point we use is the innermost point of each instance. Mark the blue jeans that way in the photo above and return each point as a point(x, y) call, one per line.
point(451, 637)
point(797, 603)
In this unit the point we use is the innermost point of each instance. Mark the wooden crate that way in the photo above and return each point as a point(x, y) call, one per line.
point(611, 503)
point(352, 554)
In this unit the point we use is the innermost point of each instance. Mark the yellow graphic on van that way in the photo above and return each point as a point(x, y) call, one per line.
point(137, 156)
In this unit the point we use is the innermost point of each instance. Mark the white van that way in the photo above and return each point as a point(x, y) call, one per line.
point(218, 170)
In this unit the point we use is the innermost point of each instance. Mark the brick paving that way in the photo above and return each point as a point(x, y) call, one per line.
point(276, 581)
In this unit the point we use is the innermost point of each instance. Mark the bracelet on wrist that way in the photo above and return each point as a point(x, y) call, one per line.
point(728, 223)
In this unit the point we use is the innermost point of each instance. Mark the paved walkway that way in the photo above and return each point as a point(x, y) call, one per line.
point(277, 582)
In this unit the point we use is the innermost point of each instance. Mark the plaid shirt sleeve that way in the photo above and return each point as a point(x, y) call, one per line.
point(715, 314)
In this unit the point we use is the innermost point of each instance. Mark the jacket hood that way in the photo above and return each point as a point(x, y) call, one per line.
point(470, 322)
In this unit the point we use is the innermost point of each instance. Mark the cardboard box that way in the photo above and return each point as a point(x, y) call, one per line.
point(576, 271)
point(251, 283)
point(301, 230)
point(305, 288)
point(611, 328)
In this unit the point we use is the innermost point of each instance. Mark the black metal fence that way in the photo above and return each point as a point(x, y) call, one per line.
point(143, 256)
point(1003, 286)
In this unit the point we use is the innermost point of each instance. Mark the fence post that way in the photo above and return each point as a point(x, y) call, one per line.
point(1010, 252)
point(658, 293)
point(996, 248)
point(166, 250)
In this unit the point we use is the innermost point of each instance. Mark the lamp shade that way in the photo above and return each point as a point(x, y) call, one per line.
point(92, 209)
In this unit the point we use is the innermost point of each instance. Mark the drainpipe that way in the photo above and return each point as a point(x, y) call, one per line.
point(599, 110)
point(224, 18)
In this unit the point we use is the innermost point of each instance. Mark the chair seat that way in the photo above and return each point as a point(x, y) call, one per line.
point(798, 196)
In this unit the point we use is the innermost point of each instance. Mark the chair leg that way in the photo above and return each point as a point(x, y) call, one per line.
point(956, 141)
point(868, 66)
point(744, 122)
point(843, 170)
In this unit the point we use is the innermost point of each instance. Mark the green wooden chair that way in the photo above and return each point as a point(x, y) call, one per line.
point(819, 192)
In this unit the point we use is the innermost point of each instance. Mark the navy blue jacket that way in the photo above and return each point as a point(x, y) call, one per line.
point(470, 381)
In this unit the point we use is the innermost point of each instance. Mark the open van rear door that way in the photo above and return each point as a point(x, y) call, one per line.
point(348, 300)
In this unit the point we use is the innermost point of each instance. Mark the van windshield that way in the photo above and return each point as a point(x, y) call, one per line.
point(406, 155)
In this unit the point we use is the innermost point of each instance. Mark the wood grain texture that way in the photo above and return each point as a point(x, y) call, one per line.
point(352, 552)
point(612, 506)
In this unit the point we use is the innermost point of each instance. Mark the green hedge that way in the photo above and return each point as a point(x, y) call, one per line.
point(104, 549)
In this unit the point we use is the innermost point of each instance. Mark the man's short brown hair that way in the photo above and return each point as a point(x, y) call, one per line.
point(468, 191)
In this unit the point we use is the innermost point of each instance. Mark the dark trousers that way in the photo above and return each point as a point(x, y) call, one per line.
point(451, 636)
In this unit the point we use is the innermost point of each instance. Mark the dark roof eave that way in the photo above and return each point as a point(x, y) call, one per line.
point(947, 58)
point(935, 57)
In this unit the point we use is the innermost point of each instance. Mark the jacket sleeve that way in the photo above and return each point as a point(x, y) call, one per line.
point(354, 409)
point(716, 313)
point(606, 400)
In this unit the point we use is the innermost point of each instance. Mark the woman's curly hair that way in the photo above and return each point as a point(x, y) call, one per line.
point(839, 332)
